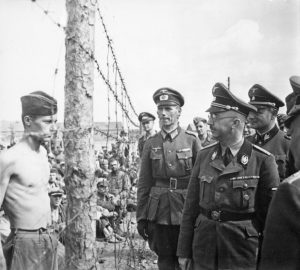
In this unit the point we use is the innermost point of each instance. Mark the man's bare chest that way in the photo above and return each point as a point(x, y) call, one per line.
point(31, 170)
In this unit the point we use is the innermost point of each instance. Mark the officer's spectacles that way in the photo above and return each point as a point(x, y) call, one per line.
point(262, 110)
point(214, 118)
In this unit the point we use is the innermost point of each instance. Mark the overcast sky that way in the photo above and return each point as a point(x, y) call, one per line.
point(188, 45)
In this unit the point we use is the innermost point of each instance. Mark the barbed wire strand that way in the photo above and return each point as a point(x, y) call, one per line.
point(108, 100)
point(57, 69)
point(91, 55)
point(109, 40)
point(116, 104)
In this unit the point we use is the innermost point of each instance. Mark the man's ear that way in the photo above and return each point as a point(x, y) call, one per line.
point(273, 117)
point(27, 120)
point(237, 122)
point(179, 110)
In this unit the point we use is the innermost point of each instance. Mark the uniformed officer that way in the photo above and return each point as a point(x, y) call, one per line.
point(268, 135)
point(281, 245)
point(167, 162)
point(147, 121)
point(292, 106)
point(230, 189)
point(203, 131)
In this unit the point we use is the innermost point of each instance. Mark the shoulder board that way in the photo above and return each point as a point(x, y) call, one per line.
point(261, 149)
point(191, 133)
point(210, 145)
point(292, 178)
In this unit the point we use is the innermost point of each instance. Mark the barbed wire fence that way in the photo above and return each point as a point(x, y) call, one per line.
point(121, 102)
point(124, 103)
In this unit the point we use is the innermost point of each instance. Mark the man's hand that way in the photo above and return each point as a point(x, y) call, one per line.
point(142, 228)
point(184, 263)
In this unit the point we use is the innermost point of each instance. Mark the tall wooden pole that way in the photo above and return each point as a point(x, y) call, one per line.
point(78, 137)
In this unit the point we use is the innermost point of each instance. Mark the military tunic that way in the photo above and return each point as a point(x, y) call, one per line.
point(281, 245)
point(162, 160)
point(276, 142)
point(226, 207)
point(166, 167)
point(141, 143)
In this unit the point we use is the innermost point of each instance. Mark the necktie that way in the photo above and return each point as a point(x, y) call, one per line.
point(168, 137)
point(227, 156)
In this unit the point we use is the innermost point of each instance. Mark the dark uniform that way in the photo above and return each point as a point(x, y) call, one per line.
point(141, 142)
point(292, 107)
point(281, 245)
point(274, 141)
point(226, 206)
point(167, 162)
point(144, 117)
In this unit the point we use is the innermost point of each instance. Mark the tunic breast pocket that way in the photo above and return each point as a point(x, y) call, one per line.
point(205, 188)
point(156, 157)
point(244, 193)
point(185, 161)
point(281, 164)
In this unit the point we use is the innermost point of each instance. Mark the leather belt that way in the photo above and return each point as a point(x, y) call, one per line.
point(220, 215)
point(173, 182)
point(39, 230)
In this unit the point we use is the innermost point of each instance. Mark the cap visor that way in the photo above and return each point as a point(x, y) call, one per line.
point(168, 103)
point(213, 109)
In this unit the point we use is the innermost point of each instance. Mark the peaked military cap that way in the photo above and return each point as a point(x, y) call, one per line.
point(38, 103)
point(197, 120)
point(224, 101)
point(295, 83)
point(145, 117)
point(293, 101)
point(259, 95)
point(290, 102)
point(168, 96)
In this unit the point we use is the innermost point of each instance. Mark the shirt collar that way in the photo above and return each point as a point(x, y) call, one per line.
point(263, 138)
point(234, 148)
point(172, 134)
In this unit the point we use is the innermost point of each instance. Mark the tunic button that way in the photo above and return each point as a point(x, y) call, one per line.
point(169, 151)
point(245, 185)
point(246, 197)
point(170, 165)
point(221, 189)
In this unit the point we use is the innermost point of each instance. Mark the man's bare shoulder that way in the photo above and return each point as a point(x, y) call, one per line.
point(19, 150)
point(7, 156)
point(8, 159)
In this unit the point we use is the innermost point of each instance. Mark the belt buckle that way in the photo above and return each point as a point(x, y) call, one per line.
point(173, 183)
point(215, 215)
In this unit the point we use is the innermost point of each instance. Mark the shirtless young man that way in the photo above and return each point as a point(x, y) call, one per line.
point(24, 175)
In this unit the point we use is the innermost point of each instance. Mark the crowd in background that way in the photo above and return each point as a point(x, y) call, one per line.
point(116, 175)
